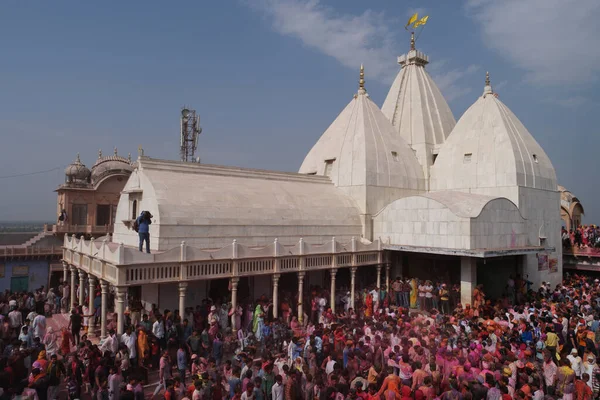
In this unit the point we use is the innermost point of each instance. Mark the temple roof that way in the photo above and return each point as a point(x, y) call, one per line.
point(490, 147)
point(361, 148)
point(191, 201)
point(415, 106)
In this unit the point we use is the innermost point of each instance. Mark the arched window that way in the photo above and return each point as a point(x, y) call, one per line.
point(134, 209)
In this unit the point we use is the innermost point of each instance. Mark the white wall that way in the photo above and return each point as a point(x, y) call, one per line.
point(421, 221)
point(542, 210)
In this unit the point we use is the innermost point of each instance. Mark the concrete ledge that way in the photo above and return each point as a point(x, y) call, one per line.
point(477, 253)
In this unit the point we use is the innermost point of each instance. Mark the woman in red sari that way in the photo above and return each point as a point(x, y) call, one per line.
point(369, 305)
point(66, 340)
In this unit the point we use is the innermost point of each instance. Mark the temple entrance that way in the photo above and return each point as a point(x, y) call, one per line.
point(437, 268)
point(220, 290)
point(493, 274)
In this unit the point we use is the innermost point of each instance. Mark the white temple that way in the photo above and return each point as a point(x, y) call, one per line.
point(403, 190)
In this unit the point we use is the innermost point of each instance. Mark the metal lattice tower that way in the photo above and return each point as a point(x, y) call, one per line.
point(190, 130)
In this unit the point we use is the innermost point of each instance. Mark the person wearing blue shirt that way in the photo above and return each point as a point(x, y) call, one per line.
point(143, 223)
point(182, 362)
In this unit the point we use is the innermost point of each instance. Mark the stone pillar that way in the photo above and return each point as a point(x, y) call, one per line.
point(73, 273)
point(104, 287)
point(276, 295)
point(300, 295)
point(333, 273)
point(352, 286)
point(121, 291)
point(234, 287)
point(81, 294)
point(91, 320)
point(182, 293)
point(65, 273)
point(468, 279)
point(378, 276)
point(387, 278)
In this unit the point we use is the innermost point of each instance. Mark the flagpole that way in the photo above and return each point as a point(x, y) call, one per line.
point(417, 38)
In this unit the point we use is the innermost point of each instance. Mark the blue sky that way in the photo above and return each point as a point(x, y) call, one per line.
point(268, 76)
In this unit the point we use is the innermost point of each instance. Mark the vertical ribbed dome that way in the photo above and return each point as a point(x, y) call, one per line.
point(361, 151)
point(491, 148)
point(417, 110)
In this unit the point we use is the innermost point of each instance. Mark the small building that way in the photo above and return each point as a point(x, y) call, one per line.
point(90, 197)
point(89, 200)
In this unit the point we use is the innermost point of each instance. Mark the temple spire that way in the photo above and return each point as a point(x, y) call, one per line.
point(361, 81)
point(116, 151)
point(412, 41)
point(99, 153)
point(488, 85)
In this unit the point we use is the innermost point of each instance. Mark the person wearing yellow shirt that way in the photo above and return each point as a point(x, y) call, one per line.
point(551, 342)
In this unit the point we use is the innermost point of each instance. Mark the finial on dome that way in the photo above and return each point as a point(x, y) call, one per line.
point(140, 151)
point(361, 81)
point(412, 41)
point(488, 86)
point(78, 160)
point(129, 157)
point(100, 153)
point(115, 151)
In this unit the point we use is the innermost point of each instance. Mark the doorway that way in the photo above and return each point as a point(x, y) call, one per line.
point(79, 214)
point(103, 214)
point(19, 284)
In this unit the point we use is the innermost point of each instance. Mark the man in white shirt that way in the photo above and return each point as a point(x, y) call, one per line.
point(575, 361)
point(110, 344)
point(15, 318)
point(107, 344)
point(277, 390)
point(39, 326)
point(158, 330)
point(421, 289)
point(129, 339)
point(428, 295)
point(329, 366)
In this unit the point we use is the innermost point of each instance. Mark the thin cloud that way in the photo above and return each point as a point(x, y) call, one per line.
point(499, 85)
point(553, 41)
point(450, 81)
point(350, 39)
point(369, 38)
point(570, 101)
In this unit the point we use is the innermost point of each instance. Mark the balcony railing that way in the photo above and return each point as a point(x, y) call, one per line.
point(122, 265)
point(86, 229)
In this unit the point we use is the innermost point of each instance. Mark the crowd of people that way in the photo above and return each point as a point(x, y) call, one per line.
point(583, 237)
point(415, 341)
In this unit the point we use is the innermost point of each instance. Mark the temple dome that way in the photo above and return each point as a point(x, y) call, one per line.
point(417, 109)
point(489, 148)
point(77, 172)
point(106, 165)
point(360, 151)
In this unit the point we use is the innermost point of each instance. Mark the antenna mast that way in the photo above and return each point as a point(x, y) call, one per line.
point(190, 130)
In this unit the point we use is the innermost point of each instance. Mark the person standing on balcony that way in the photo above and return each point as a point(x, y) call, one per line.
point(143, 228)
point(62, 217)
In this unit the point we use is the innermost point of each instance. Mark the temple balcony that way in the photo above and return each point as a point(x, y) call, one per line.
point(122, 265)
